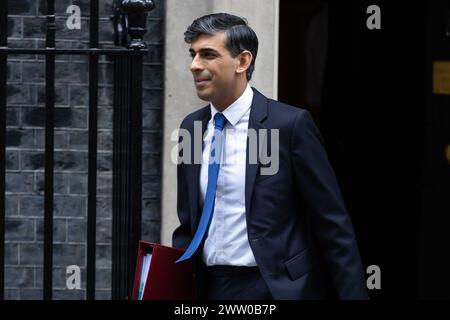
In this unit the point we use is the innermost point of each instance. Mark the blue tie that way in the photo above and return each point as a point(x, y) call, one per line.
point(213, 173)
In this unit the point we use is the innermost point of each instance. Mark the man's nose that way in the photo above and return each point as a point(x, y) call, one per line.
point(195, 64)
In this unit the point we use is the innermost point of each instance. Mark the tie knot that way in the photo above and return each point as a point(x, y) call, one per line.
point(219, 121)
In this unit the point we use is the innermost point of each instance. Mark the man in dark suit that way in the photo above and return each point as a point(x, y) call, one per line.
point(255, 229)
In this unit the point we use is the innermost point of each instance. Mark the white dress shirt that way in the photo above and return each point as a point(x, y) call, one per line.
point(227, 241)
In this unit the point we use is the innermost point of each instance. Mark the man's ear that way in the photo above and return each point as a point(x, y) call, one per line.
point(245, 59)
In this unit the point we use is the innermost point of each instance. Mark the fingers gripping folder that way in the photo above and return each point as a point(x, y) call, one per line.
point(158, 277)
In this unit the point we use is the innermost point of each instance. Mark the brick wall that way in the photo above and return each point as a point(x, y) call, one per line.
point(25, 149)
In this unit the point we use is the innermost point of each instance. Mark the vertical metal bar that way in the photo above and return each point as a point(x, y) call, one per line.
point(127, 148)
point(136, 161)
point(49, 143)
point(3, 82)
point(92, 153)
point(116, 181)
point(125, 178)
point(126, 184)
point(127, 181)
point(120, 88)
point(120, 176)
point(125, 175)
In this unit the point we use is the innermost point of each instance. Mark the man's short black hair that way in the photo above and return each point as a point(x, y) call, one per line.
point(240, 36)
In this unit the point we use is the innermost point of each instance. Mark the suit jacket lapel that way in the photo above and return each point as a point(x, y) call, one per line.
point(258, 113)
point(193, 170)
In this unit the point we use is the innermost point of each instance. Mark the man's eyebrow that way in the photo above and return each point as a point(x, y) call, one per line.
point(204, 50)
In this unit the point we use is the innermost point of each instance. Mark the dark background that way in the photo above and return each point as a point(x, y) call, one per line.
point(384, 129)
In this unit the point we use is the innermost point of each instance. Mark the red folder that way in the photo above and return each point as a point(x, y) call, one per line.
point(166, 279)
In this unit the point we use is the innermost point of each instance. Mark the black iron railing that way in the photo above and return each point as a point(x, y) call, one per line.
point(129, 22)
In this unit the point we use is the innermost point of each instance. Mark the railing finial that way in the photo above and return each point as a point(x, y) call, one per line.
point(137, 11)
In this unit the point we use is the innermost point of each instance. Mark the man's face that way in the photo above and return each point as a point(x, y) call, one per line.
point(213, 68)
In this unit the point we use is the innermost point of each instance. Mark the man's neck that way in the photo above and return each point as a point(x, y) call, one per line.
point(222, 106)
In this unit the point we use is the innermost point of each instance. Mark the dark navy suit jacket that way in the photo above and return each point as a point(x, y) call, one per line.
point(298, 227)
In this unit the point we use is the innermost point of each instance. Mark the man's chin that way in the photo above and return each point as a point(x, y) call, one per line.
point(203, 96)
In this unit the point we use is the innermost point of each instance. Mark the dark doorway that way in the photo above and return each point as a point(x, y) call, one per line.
point(303, 53)
point(435, 215)
point(368, 98)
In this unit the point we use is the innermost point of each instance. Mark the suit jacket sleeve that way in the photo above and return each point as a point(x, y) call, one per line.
point(330, 221)
point(182, 235)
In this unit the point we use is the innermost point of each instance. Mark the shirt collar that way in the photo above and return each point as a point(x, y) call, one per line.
point(237, 109)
